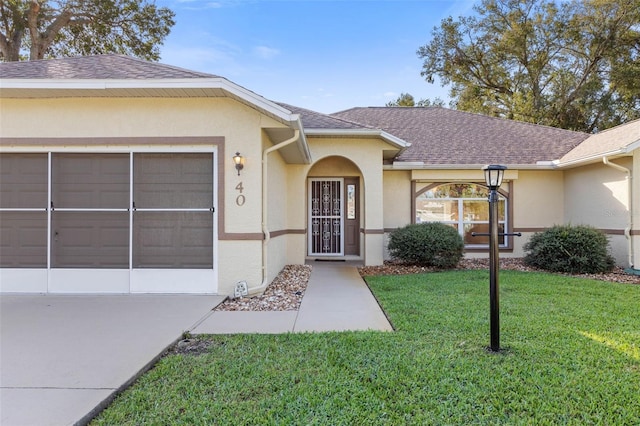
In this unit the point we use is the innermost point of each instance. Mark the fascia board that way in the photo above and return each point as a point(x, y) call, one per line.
point(394, 140)
point(632, 146)
point(594, 157)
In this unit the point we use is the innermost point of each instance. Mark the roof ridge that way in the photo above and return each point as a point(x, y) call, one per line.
point(143, 61)
point(300, 109)
point(457, 111)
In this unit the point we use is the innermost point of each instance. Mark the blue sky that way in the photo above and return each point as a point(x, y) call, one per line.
point(324, 55)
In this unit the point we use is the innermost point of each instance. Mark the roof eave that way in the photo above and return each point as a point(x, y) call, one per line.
point(162, 83)
point(594, 158)
point(393, 140)
point(179, 85)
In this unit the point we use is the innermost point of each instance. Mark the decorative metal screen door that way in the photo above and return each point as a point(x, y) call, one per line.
point(326, 217)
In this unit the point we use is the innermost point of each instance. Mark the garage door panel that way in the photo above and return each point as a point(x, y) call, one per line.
point(173, 240)
point(23, 239)
point(90, 181)
point(23, 180)
point(173, 180)
point(90, 240)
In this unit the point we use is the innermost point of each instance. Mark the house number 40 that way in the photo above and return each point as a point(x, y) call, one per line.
point(240, 198)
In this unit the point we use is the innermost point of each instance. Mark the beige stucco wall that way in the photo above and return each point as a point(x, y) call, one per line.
point(536, 198)
point(397, 198)
point(597, 195)
point(537, 201)
point(240, 126)
point(278, 200)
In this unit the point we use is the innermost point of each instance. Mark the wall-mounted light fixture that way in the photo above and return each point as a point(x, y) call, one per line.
point(238, 160)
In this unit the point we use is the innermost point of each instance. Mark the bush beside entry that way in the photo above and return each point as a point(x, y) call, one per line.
point(427, 244)
point(570, 249)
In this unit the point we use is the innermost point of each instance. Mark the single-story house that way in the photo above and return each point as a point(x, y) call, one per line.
point(118, 176)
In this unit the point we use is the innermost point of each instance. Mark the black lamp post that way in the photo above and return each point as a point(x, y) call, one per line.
point(493, 175)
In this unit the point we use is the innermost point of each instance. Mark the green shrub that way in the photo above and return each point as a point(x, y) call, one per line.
point(569, 249)
point(427, 244)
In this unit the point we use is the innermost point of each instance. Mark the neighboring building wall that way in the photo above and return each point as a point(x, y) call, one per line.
point(597, 195)
point(240, 241)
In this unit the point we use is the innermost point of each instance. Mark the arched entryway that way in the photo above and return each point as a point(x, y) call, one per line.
point(334, 209)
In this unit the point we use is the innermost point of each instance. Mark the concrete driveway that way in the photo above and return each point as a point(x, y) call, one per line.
point(64, 357)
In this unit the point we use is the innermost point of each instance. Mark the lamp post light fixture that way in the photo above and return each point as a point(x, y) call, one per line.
point(493, 175)
point(238, 160)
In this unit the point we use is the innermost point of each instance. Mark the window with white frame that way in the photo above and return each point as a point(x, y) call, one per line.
point(463, 206)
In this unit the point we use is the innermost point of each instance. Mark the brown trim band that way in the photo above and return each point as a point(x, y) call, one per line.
point(613, 231)
point(635, 232)
point(121, 141)
point(606, 231)
point(275, 234)
point(239, 236)
point(372, 231)
point(529, 229)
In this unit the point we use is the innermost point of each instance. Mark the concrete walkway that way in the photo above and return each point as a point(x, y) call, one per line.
point(63, 358)
point(336, 299)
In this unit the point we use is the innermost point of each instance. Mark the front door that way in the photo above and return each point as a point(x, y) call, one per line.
point(325, 217)
point(333, 217)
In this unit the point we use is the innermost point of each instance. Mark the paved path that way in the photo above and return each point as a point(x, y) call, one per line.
point(336, 299)
point(63, 358)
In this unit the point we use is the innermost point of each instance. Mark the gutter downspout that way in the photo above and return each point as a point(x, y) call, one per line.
point(265, 228)
point(627, 230)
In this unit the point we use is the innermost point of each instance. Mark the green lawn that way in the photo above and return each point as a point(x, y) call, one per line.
point(571, 356)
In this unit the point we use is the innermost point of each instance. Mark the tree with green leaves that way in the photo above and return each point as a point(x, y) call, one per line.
point(573, 64)
point(38, 29)
point(407, 100)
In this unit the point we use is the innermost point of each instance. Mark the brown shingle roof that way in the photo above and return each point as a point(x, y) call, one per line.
point(608, 141)
point(316, 120)
point(438, 136)
point(441, 136)
point(95, 67)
